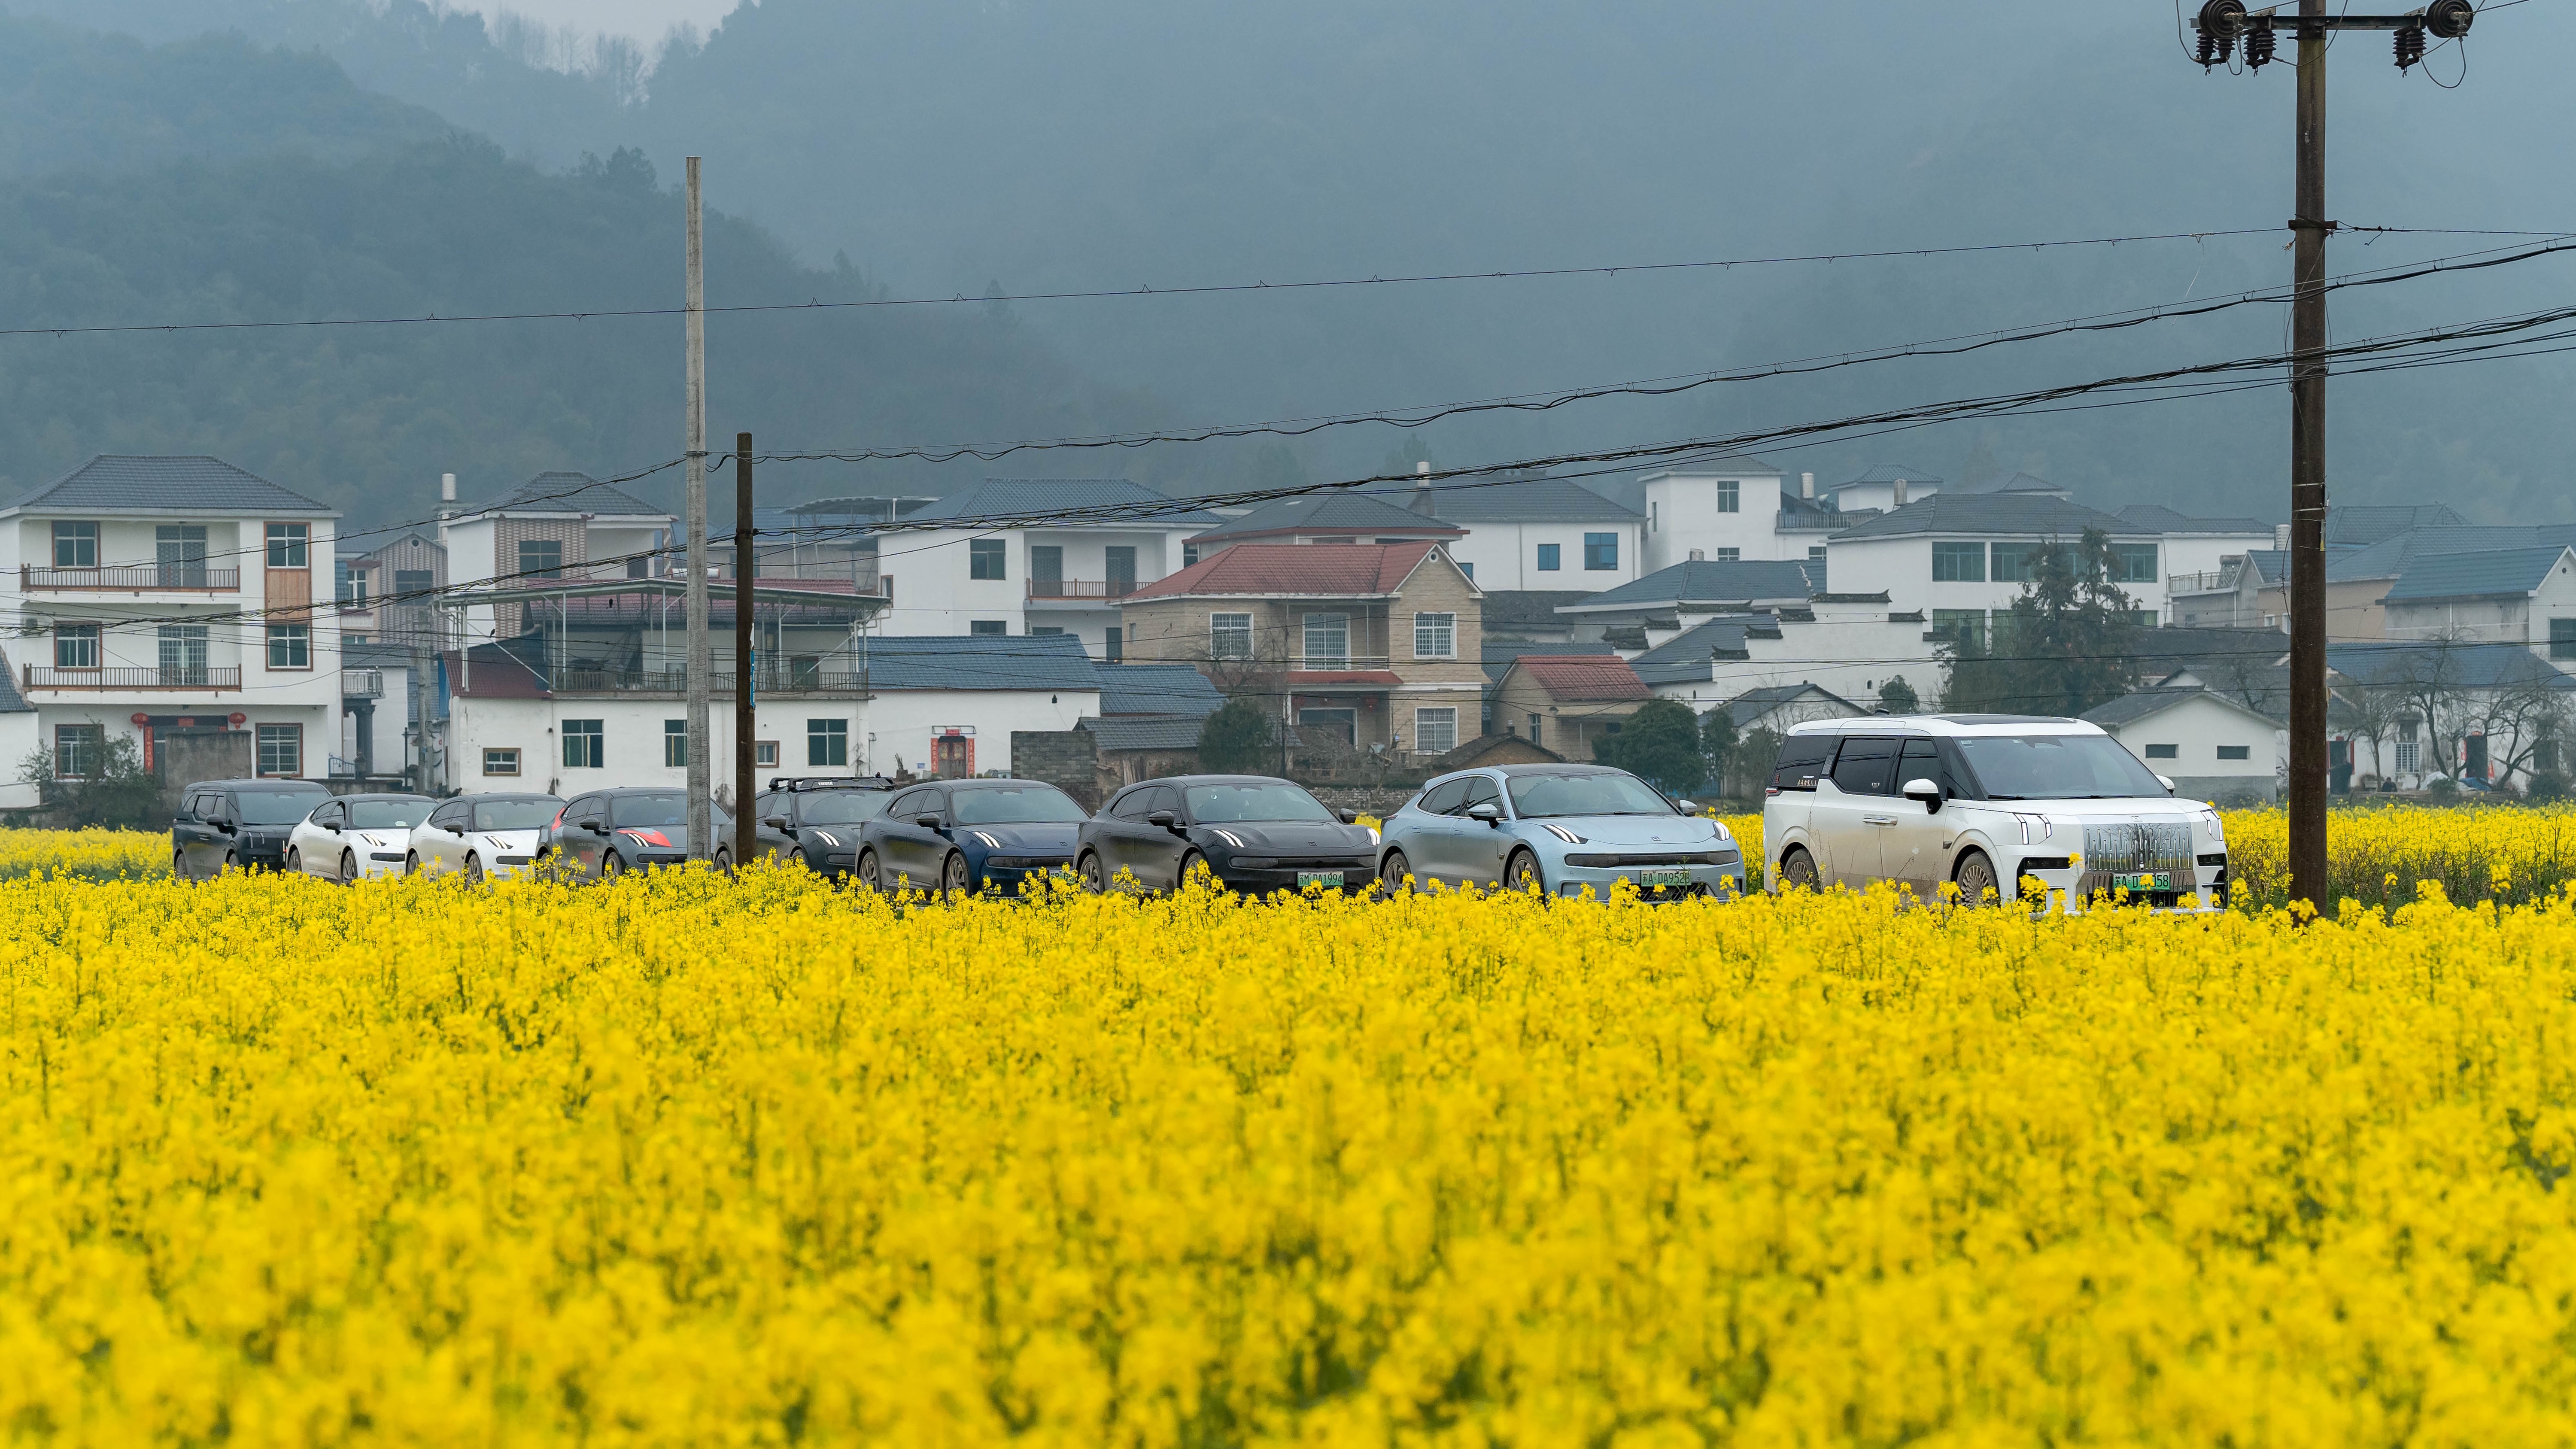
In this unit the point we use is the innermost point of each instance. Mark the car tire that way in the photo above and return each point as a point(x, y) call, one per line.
point(871, 875)
point(1191, 859)
point(178, 865)
point(1975, 876)
point(1521, 874)
point(955, 879)
point(802, 861)
point(411, 863)
point(473, 869)
point(348, 867)
point(1391, 872)
point(1798, 869)
point(724, 860)
point(1095, 877)
point(232, 862)
point(294, 860)
point(611, 865)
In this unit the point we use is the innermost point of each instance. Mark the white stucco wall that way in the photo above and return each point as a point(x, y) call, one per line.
point(2195, 730)
point(1505, 555)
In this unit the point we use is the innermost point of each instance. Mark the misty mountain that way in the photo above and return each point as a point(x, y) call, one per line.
point(1044, 145)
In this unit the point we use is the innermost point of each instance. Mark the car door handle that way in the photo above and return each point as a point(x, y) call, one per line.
point(1878, 820)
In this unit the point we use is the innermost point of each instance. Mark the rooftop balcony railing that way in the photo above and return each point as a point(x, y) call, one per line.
point(121, 680)
point(1079, 590)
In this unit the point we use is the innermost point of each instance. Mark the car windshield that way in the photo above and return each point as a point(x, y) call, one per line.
point(1221, 804)
point(515, 814)
point(387, 814)
point(1014, 805)
point(1609, 792)
point(662, 808)
point(846, 807)
point(277, 807)
point(2057, 767)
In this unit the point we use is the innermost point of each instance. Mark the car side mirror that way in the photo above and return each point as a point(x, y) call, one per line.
point(777, 822)
point(1347, 817)
point(1487, 811)
point(1687, 807)
point(1163, 819)
point(225, 826)
point(926, 822)
point(334, 829)
point(1924, 790)
point(2167, 782)
point(594, 827)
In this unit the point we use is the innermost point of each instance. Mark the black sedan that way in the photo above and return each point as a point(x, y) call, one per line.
point(959, 836)
point(1253, 832)
point(814, 822)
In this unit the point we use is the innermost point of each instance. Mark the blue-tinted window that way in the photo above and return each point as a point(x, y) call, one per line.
point(1600, 551)
point(1547, 556)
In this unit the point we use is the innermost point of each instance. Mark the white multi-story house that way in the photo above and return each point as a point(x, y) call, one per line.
point(556, 526)
point(162, 594)
point(1532, 534)
point(1044, 556)
point(1959, 558)
point(2497, 596)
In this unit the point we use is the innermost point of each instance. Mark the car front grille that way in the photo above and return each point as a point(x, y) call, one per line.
point(1669, 857)
point(393, 855)
point(1026, 862)
point(2134, 847)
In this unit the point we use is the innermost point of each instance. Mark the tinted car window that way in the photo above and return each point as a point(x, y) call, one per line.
point(1016, 805)
point(1801, 760)
point(387, 814)
point(1866, 767)
point(657, 807)
point(912, 803)
point(1134, 805)
point(513, 814)
point(2057, 767)
point(1919, 760)
point(1481, 791)
point(844, 807)
point(1219, 804)
point(1609, 792)
point(327, 814)
point(1444, 799)
point(276, 807)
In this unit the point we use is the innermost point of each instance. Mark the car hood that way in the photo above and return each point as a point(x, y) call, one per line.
point(2135, 807)
point(642, 835)
point(378, 839)
point(1627, 829)
point(1290, 837)
point(1046, 837)
point(505, 839)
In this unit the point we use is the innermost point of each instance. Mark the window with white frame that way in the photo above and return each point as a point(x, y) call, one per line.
point(1328, 641)
point(1435, 636)
point(984, 559)
point(1435, 731)
point(827, 743)
point(2407, 747)
point(76, 646)
point(1730, 495)
point(281, 751)
point(1730, 555)
point(675, 744)
point(1229, 636)
point(500, 762)
point(76, 545)
point(80, 751)
point(764, 754)
point(585, 744)
point(290, 545)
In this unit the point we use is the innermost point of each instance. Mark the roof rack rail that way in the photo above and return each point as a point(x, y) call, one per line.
point(830, 782)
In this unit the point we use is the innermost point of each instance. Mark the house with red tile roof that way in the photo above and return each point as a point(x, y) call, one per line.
point(1566, 701)
point(1380, 644)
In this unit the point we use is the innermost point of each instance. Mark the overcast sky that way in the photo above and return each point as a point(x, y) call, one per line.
point(643, 19)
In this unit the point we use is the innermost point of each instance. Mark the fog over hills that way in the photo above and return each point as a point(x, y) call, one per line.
point(1043, 146)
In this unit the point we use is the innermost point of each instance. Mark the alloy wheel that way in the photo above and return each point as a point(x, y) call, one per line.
point(869, 874)
point(953, 877)
point(611, 866)
point(1094, 878)
point(1798, 868)
point(473, 870)
point(1392, 871)
point(1976, 877)
point(348, 867)
point(1521, 872)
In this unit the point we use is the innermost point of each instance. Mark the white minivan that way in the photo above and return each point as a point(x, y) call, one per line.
point(1985, 802)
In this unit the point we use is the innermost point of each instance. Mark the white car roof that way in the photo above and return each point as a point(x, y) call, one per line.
point(1953, 726)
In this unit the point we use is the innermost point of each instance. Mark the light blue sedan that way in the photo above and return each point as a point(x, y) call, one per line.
point(1559, 828)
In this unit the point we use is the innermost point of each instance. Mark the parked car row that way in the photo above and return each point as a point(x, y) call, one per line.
point(1979, 802)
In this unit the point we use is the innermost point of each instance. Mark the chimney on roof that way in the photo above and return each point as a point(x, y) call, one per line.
point(1806, 485)
point(447, 488)
point(1699, 555)
point(1422, 474)
point(1900, 493)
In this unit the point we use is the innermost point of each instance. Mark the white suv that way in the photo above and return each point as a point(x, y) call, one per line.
point(1985, 801)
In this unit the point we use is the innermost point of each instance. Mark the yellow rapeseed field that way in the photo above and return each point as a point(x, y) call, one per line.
point(84, 854)
point(693, 1161)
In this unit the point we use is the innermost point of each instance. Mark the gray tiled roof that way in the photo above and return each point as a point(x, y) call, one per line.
point(2019, 483)
point(1685, 658)
point(1992, 515)
point(1752, 704)
point(2156, 518)
point(1333, 513)
point(2514, 571)
point(354, 655)
point(1512, 500)
point(2371, 523)
point(2459, 666)
point(1114, 502)
point(2140, 703)
point(1499, 653)
point(2395, 554)
point(1709, 581)
point(1517, 608)
point(979, 661)
point(1891, 472)
point(11, 701)
point(563, 491)
point(1173, 689)
point(1146, 731)
point(114, 482)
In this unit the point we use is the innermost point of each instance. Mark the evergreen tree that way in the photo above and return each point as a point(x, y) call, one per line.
point(1719, 745)
point(1240, 739)
point(2068, 644)
point(1659, 744)
point(1897, 697)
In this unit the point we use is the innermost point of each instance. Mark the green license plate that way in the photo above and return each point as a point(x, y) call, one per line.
point(1650, 879)
point(2153, 880)
point(1329, 879)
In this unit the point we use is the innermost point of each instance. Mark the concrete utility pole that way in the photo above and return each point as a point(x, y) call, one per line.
point(2222, 23)
point(745, 828)
point(701, 658)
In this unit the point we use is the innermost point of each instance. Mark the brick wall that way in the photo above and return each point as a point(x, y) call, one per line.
point(1066, 759)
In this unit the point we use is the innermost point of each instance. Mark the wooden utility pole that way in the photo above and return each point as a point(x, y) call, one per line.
point(745, 697)
point(2308, 476)
point(701, 657)
point(2222, 23)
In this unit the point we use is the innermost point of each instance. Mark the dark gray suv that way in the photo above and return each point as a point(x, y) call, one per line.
point(606, 833)
point(238, 824)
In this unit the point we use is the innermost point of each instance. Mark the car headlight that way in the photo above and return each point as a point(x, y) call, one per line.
point(828, 838)
point(1568, 836)
point(1722, 832)
point(1374, 837)
point(989, 842)
point(2030, 824)
point(2217, 827)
